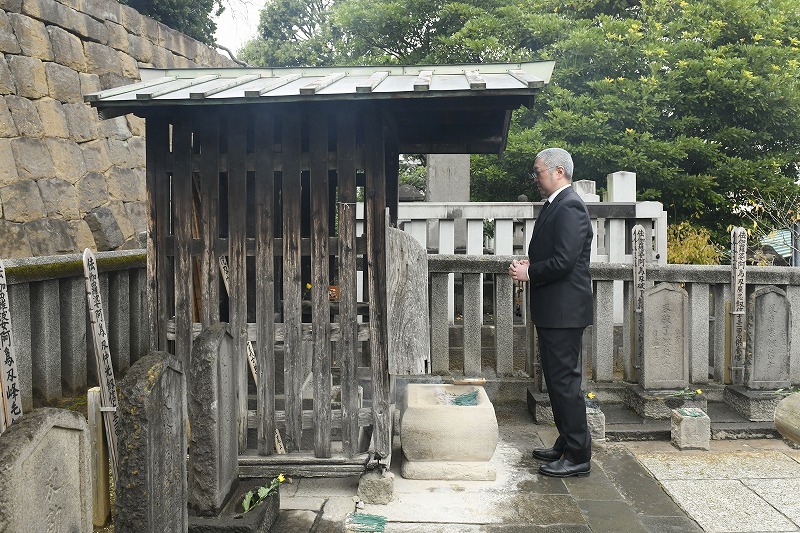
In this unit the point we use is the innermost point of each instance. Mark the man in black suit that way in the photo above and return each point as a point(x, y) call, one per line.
point(561, 307)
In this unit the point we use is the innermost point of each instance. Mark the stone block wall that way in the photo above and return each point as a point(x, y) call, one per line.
point(69, 180)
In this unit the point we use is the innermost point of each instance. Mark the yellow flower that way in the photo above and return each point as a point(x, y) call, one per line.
point(699, 391)
point(629, 130)
point(758, 37)
point(308, 285)
point(281, 478)
point(590, 396)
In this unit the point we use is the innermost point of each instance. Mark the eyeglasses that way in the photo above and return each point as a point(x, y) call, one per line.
point(534, 175)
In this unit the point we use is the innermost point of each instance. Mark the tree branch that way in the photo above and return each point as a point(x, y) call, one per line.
point(233, 56)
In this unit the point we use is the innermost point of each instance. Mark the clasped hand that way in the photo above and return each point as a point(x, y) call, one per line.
point(518, 270)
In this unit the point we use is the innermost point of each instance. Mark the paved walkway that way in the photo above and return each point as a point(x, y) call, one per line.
point(739, 486)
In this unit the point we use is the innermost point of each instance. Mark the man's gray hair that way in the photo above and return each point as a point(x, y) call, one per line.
point(557, 157)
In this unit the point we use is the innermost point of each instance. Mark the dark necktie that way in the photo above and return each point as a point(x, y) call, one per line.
point(546, 204)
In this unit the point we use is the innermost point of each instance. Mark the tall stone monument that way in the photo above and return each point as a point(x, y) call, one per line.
point(152, 492)
point(213, 447)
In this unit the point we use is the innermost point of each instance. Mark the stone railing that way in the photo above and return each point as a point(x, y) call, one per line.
point(608, 355)
point(50, 323)
point(498, 229)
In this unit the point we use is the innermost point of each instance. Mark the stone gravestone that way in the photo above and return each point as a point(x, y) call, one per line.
point(214, 446)
point(665, 350)
point(769, 321)
point(45, 480)
point(151, 492)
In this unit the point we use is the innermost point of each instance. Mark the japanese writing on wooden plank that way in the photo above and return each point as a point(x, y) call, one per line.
point(251, 353)
point(105, 372)
point(9, 377)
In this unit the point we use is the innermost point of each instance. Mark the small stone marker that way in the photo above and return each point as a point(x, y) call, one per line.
point(596, 420)
point(151, 491)
point(691, 429)
point(45, 481)
point(214, 445)
point(10, 395)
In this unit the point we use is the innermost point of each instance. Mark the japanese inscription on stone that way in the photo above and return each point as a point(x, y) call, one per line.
point(9, 376)
point(738, 287)
point(105, 371)
point(639, 281)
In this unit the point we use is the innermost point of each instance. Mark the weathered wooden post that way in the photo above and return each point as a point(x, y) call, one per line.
point(639, 281)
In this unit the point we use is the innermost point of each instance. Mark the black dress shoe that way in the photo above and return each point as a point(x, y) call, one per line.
point(565, 468)
point(547, 454)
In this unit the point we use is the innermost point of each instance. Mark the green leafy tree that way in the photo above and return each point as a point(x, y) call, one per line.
point(700, 99)
point(191, 17)
point(294, 33)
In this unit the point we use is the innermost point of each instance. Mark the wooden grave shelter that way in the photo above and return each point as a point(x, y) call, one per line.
point(264, 167)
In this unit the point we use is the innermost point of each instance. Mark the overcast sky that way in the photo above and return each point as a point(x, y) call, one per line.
point(238, 23)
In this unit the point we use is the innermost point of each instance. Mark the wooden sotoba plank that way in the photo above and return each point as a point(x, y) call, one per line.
point(208, 137)
point(171, 88)
point(476, 81)
point(423, 81)
point(182, 223)
point(376, 265)
point(372, 82)
point(265, 281)
point(241, 80)
point(347, 347)
point(315, 86)
point(530, 81)
point(237, 216)
point(290, 196)
point(271, 85)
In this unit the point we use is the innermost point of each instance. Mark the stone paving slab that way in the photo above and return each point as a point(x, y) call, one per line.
point(783, 494)
point(731, 465)
point(726, 505)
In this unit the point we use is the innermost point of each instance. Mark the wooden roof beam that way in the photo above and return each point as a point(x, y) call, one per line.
point(95, 97)
point(241, 80)
point(529, 80)
point(271, 85)
point(315, 86)
point(476, 81)
point(373, 81)
point(423, 81)
point(189, 82)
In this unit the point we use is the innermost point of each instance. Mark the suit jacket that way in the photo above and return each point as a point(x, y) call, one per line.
point(559, 251)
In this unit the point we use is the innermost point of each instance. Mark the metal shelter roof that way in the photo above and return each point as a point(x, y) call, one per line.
point(438, 108)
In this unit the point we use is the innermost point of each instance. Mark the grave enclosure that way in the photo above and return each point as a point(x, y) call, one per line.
point(264, 167)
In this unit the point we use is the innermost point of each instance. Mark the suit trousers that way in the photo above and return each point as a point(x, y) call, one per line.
point(559, 352)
